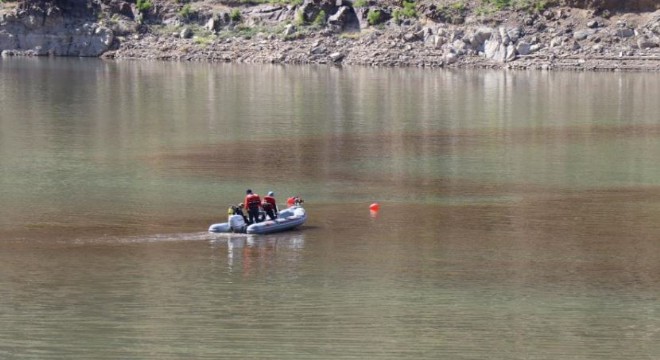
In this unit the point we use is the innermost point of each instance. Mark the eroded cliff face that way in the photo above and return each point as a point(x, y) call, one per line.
point(614, 5)
point(59, 28)
point(71, 8)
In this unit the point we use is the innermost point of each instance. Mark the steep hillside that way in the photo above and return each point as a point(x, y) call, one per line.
point(579, 34)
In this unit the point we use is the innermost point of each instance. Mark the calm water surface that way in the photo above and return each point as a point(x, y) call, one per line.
point(519, 212)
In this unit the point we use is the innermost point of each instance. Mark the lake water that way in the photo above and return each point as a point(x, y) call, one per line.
point(520, 212)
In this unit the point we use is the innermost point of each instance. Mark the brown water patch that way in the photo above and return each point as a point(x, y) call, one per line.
point(335, 157)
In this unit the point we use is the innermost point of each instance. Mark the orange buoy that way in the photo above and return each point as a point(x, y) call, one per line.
point(374, 207)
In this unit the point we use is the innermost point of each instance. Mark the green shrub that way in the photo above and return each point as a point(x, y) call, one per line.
point(360, 3)
point(274, 2)
point(528, 5)
point(501, 4)
point(143, 5)
point(458, 6)
point(374, 17)
point(541, 5)
point(247, 32)
point(300, 19)
point(396, 15)
point(235, 15)
point(205, 39)
point(409, 9)
point(185, 11)
point(320, 19)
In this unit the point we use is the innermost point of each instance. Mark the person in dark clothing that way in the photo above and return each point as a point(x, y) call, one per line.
point(238, 210)
point(253, 203)
point(269, 205)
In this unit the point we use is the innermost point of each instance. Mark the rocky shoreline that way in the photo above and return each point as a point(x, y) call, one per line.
point(338, 33)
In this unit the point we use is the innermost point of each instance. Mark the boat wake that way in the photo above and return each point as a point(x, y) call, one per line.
point(138, 239)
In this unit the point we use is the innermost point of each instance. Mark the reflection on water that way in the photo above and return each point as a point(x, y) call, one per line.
point(518, 212)
point(247, 251)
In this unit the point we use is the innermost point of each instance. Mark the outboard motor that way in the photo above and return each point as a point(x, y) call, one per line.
point(237, 224)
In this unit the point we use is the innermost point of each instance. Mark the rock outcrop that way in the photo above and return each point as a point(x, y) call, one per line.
point(44, 28)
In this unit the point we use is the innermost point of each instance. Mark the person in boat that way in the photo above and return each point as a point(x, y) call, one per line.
point(253, 203)
point(294, 201)
point(270, 205)
point(238, 210)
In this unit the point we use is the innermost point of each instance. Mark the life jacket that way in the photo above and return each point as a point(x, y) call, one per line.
point(252, 201)
point(291, 201)
point(269, 202)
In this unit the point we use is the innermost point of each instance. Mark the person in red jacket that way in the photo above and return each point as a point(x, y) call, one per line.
point(269, 205)
point(252, 202)
point(294, 201)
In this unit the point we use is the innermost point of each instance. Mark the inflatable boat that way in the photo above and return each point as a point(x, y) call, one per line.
point(287, 219)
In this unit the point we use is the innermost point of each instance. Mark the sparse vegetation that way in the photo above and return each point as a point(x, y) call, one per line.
point(235, 15)
point(320, 19)
point(350, 35)
point(143, 5)
point(533, 5)
point(274, 2)
point(247, 32)
point(408, 11)
point(374, 17)
point(453, 13)
point(458, 6)
point(498, 4)
point(204, 40)
point(529, 5)
point(186, 11)
point(300, 19)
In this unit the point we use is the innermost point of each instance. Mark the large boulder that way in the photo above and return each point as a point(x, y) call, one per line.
point(646, 42)
point(91, 45)
point(120, 7)
point(218, 21)
point(344, 19)
point(499, 52)
point(523, 48)
point(499, 47)
point(625, 32)
point(478, 38)
point(273, 14)
point(312, 8)
point(583, 34)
